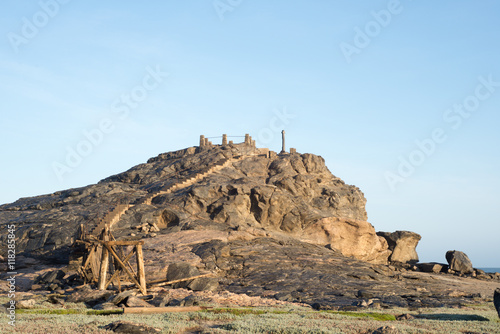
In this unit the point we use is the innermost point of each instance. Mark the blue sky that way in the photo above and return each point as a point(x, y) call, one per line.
point(358, 83)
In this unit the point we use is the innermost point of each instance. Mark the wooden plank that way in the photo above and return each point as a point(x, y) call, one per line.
point(140, 266)
point(124, 242)
point(167, 309)
point(165, 282)
point(143, 291)
point(95, 262)
point(89, 256)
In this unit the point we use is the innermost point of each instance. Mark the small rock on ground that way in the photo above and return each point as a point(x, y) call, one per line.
point(131, 328)
point(386, 330)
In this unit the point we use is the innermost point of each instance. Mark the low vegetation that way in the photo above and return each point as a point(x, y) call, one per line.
point(481, 319)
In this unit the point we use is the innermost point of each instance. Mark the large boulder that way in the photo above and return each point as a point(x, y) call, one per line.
point(89, 296)
point(204, 284)
point(431, 267)
point(459, 262)
point(403, 245)
point(496, 301)
point(133, 301)
point(177, 271)
point(350, 237)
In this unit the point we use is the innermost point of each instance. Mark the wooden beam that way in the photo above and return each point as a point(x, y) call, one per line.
point(165, 282)
point(124, 242)
point(143, 291)
point(140, 266)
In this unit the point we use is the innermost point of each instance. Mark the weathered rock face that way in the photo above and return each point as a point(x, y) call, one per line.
point(46, 226)
point(403, 245)
point(350, 237)
point(459, 262)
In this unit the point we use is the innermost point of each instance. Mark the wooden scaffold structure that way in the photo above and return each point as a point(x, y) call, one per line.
point(97, 265)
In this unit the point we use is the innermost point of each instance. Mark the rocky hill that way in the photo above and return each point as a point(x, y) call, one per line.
point(251, 193)
point(267, 224)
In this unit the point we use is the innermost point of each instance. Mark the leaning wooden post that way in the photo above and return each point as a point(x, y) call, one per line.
point(140, 267)
point(103, 271)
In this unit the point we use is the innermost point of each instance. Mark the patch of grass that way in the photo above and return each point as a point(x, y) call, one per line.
point(372, 315)
point(290, 320)
point(235, 311)
point(244, 311)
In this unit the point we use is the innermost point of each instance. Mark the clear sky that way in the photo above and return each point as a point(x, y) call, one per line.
point(401, 98)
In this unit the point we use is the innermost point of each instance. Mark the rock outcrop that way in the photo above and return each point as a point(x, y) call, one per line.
point(459, 262)
point(403, 245)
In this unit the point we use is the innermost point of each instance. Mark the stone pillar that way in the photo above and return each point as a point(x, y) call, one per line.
point(224, 140)
point(282, 141)
point(253, 144)
point(202, 140)
point(206, 142)
point(293, 150)
point(247, 138)
point(231, 142)
point(210, 143)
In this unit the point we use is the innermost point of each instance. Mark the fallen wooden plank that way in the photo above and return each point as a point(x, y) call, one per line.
point(165, 282)
point(125, 242)
point(166, 309)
